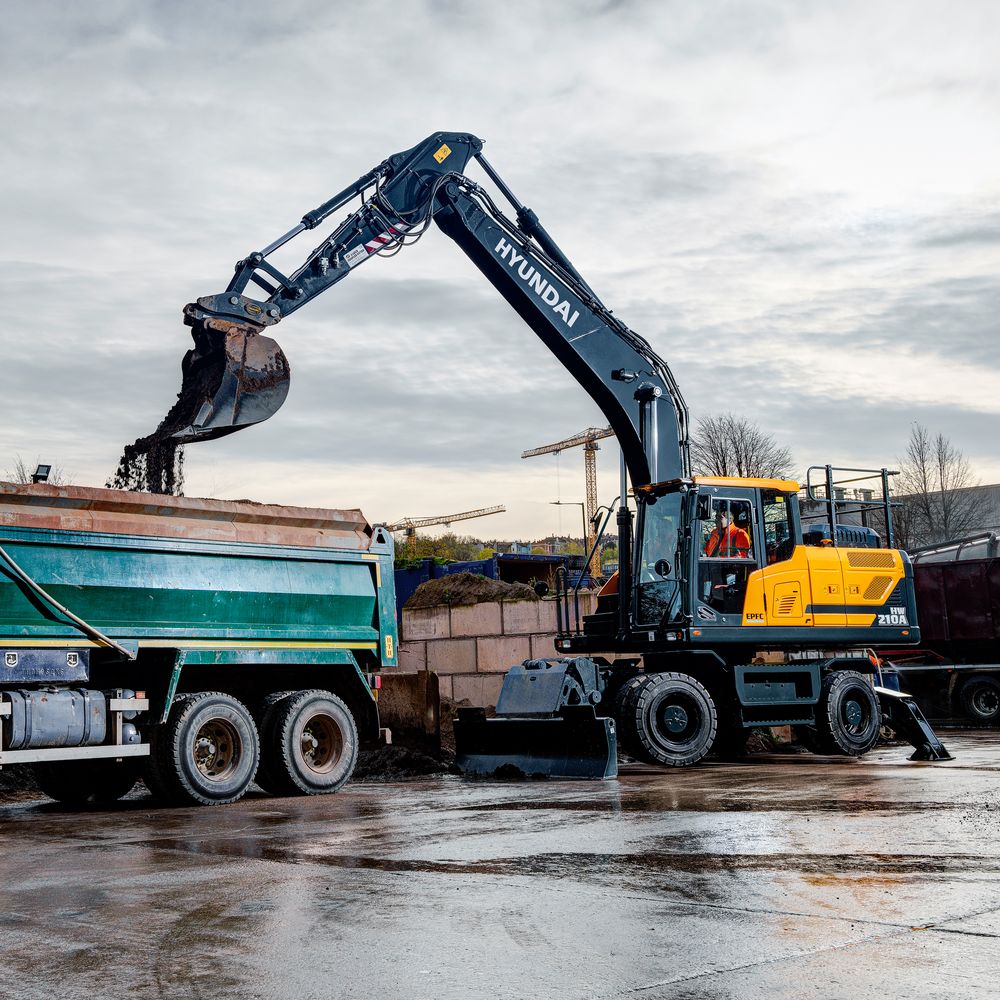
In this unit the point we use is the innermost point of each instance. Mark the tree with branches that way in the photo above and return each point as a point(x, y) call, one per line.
point(730, 445)
point(936, 489)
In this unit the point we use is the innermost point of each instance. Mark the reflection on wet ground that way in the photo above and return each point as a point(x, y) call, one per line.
point(787, 876)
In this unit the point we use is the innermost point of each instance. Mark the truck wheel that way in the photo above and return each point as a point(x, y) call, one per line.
point(84, 782)
point(981, 699)
point(848, 715)
point(265, 726)
point(674, 718)
point(206, 752)
point(310, 744)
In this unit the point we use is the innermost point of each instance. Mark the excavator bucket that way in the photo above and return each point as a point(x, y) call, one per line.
point(535, 731)
point(233, 377)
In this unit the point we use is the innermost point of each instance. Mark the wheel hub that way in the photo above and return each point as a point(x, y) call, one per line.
point(986, 701)
point(321, 743)
point(216, 749)
point(675, 719)
point(853, 713)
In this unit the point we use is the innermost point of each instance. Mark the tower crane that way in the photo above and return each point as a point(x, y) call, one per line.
point(588, 440)
point(410, 524)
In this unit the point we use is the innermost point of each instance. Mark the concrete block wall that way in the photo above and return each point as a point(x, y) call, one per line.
point(471, 647)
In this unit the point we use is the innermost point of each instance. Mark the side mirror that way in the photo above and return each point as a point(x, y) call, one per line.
point(541, 588)
point(662, 567)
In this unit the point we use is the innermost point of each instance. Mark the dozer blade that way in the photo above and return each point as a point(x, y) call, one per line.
point(233, 377)
point(574, 743)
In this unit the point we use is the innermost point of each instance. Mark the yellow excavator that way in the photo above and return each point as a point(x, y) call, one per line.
point(725, 613)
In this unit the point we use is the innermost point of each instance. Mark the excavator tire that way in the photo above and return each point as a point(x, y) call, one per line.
point(848, 716)
point(673, 717)
point(625, 721)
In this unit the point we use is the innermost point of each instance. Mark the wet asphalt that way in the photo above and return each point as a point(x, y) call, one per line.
point(786, 876)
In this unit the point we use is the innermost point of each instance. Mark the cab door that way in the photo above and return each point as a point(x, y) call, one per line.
point(786, 584)
point(727, 560)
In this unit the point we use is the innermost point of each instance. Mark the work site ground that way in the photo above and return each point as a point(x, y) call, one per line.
point(784, 876)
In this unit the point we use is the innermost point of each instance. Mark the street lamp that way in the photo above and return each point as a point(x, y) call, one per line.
point(583, 514)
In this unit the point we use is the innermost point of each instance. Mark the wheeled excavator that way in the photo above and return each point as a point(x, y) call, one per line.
point(721, 618)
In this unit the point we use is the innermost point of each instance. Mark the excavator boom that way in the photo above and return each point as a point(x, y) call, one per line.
point(236, 376)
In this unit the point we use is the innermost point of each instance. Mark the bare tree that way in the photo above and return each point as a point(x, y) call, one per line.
point(728, 445)
point(21, 472)
point(937, 490)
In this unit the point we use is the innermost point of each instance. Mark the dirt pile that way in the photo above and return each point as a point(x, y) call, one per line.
point(18, 782)
point(394, 763)
point(467, 588)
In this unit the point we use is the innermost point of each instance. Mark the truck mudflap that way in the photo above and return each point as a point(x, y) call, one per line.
point(571, 743)
point(908, 721)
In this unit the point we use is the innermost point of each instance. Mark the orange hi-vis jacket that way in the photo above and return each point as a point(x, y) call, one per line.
point(732, 543)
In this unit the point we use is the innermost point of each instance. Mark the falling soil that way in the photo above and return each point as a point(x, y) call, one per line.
point(467, 588)
point(155, 463)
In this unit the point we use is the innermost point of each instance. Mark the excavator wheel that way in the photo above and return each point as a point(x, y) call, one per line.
point(848, 716)
point(625, 720)
point(673, 718)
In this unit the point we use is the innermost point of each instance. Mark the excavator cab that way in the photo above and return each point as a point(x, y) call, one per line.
point(232, 378)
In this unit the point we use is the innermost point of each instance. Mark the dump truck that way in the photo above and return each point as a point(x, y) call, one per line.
point(955, 672)
point(197, 644)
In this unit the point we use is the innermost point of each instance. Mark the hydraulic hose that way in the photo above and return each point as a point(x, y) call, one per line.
point(87, 629)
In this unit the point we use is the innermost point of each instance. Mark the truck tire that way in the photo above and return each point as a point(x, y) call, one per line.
point(265, 727)
point(86, 782)
point(205, 753)
point(848, 715)
point(673, 718)
point(981, 699)
point(310, 744)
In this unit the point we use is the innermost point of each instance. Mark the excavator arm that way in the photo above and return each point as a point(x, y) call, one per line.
point(242, 377)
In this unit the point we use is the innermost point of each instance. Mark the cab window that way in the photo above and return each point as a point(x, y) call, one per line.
point(778, 539)
point(657, 589)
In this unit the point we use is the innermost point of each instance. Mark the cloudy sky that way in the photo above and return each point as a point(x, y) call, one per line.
point(797, 203)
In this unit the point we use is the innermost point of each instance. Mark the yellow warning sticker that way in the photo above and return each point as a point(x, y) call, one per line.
point(443, 153)
point(388, 647)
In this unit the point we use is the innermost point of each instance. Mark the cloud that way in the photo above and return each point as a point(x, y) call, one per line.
point(796, 205)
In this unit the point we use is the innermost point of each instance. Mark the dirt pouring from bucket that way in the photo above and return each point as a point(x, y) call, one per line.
point(155, 463)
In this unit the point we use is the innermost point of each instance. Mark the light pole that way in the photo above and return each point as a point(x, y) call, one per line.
point(583, 514)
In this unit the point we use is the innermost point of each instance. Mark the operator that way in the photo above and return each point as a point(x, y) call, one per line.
point(727, 540)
